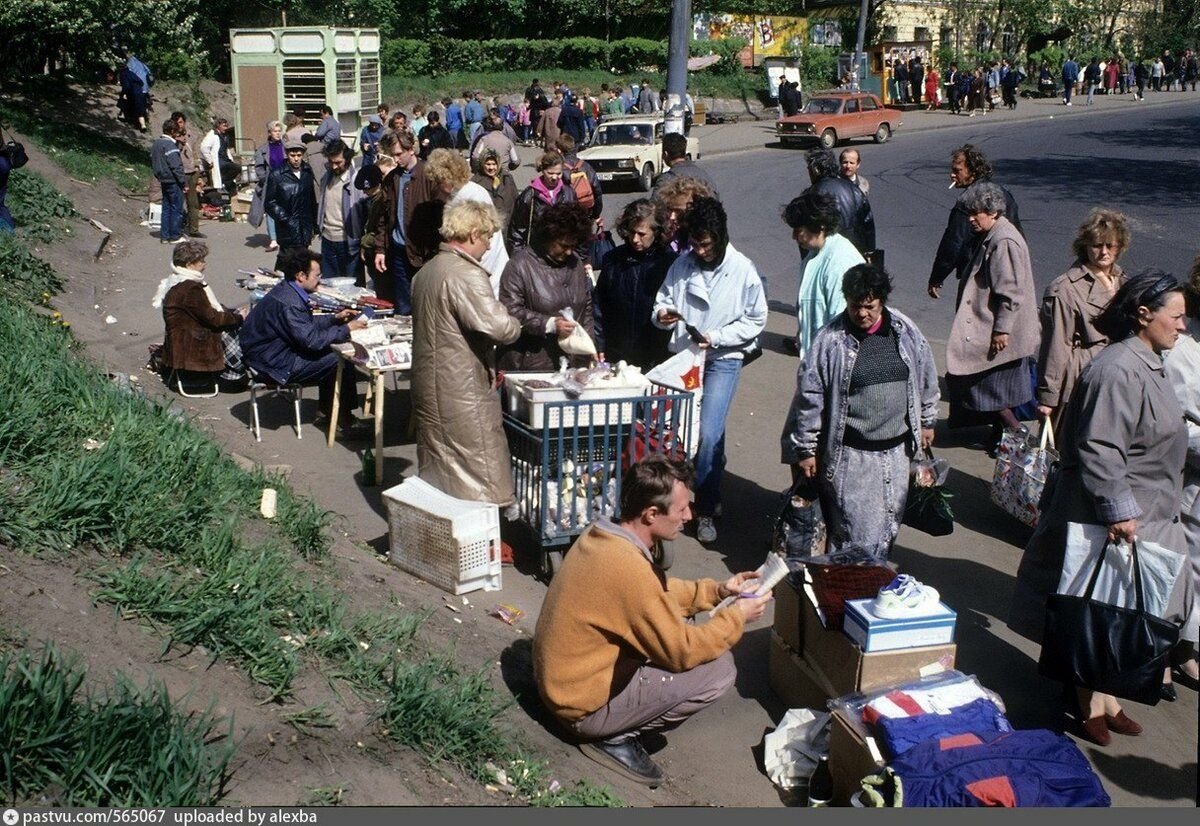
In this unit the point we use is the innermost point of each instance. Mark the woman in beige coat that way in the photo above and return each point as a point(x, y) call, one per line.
point(996, 333)
point(1070, 304)
point(457, 323)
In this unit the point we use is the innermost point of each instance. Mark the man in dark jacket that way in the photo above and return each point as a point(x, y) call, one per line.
point(290, 198)
point(282, 340)
point(408, 236)
point(854, 210)
point(679, 165)
point(968, 167)
point(433, 136)
point(571, 122)
point(789, 97)
point(167, 164)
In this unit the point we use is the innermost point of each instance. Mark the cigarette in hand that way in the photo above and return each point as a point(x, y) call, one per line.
point(951, 185)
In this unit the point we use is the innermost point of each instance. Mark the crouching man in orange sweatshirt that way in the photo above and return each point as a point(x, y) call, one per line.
point(615, 653)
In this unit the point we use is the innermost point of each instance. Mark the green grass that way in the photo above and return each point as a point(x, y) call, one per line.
point(39, 210)
point(84, 154)
point(404, 91)
point(123, 747)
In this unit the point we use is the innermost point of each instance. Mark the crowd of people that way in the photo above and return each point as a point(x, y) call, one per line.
point(499, 278)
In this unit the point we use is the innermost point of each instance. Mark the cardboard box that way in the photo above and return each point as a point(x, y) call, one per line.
point(874, 633)
point(851, 758)
point(787, 613)
point(842, 666)
point(792, 679)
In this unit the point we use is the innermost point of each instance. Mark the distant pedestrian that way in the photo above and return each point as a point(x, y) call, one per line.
point(329, 130)
point(1091, 79)
point(168, 169)
point(140, 81)
point(1070, 76)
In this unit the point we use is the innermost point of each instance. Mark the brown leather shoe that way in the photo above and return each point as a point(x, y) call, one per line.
point(1121, 724)
point(1096, 730)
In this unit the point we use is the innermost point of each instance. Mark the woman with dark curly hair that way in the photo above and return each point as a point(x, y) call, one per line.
point(543, 280)
point(629, 279)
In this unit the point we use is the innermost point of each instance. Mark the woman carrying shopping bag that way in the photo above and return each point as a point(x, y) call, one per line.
point(1122, 467)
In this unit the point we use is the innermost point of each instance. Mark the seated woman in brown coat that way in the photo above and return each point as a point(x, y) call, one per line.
point(201, 334)
point(541, 281)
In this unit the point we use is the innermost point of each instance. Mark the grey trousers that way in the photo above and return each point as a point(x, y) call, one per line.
point(658, 699)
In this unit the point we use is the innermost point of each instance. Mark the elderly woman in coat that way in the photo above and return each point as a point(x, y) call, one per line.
point(995, 335)
point(1182, 364)
point(199, 329)
point(1122, 467)
point(461, 447)
point(866, 401)
point(1069, 338)
point(540, 282)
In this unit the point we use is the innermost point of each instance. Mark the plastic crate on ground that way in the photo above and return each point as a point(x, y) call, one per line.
point(448, 542)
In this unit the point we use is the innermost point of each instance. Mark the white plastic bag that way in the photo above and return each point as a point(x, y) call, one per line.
point(792, 750)
point(1160, 567)
point(577, 342)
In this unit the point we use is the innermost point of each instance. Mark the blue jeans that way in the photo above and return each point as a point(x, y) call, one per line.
point(1091, 92)
point(396, 285)
point(720, 383)
point(173, 211)
point(336, 260)
point(271, 228)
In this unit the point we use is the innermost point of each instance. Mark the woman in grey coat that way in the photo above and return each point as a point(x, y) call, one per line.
point(866, 401)
point(267, 157)
point(1122, 466)
point(996, 334)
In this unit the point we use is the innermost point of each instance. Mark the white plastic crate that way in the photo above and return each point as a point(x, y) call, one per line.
point(448, 542)
point(529, 403)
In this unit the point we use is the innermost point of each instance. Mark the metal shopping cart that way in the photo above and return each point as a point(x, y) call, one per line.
point(569, 455)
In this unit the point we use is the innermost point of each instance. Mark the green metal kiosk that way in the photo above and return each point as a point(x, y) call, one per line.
point(300, 69)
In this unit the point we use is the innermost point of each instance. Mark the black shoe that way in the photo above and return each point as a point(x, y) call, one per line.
point(356, 430)
point(1168, 692)
point(1178, 675)
point(627, 758)
point(197, 235)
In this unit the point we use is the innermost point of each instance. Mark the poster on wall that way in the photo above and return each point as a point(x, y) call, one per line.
point(767, 36)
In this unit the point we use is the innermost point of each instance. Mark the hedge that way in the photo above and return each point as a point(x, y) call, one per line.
point(441, 55)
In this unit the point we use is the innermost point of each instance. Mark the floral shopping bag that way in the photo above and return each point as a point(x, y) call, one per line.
point(1022, 468)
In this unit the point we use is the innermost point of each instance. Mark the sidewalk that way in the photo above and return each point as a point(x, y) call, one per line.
point(722, 139)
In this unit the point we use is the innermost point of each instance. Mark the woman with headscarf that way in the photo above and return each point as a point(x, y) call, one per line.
point(498, 182)
point(1121, 467)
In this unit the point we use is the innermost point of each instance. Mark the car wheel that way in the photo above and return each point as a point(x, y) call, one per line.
point(828, 139)
point(882, 133)
point(646, 179)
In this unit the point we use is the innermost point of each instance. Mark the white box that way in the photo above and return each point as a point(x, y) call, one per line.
point(451, 543)
point(873, 633)
point(529, 403)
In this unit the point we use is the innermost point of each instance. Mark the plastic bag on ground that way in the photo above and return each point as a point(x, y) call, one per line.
point(792, 750)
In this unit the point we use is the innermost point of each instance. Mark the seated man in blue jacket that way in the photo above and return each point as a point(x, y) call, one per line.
point(281, 339)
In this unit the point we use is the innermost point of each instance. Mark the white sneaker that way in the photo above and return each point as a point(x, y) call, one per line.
point(706, 531)
point(904, 597)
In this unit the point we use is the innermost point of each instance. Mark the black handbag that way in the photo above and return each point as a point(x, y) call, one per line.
point(799, 531)
point(928, 506)
point(1107, 648)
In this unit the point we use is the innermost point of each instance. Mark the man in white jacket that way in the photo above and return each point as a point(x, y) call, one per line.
point(713, 297)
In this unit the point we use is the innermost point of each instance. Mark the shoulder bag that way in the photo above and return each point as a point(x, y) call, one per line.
point(1112, 649)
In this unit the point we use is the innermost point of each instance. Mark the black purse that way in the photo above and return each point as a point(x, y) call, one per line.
point(928, 505)
point(1107, 648)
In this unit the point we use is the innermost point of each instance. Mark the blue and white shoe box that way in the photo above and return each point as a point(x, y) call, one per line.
point(873, 633)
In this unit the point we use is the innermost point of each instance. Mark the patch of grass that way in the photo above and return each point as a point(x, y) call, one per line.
point(39, 210)
point(123, 747)
point(306, 719)
point(23, 276)
point(324, 796)
point(84, 154)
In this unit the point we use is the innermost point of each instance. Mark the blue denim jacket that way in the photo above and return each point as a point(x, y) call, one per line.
point(823, 389)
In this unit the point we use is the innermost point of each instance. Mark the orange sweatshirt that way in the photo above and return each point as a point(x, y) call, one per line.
point(608, 612)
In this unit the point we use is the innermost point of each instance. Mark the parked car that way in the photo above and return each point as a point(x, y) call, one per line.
point(831, 117)
point(629, 148)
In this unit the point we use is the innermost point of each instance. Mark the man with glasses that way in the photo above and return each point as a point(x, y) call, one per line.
point(397, 256)
point(290, 199)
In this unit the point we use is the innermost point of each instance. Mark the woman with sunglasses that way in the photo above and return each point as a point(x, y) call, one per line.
point(1122, 467)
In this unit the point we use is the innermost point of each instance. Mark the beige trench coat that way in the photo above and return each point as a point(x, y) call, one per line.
point(1069, 338)
point(457, 323)
point(998, 297)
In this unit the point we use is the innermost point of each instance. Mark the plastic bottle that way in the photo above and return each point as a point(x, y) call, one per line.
point(820, 784)
point(368, 467)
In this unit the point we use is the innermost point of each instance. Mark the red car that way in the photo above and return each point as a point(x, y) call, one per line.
point(831, 117)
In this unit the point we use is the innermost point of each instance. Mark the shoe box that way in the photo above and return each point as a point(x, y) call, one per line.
point(809, 664)
point(872, 633)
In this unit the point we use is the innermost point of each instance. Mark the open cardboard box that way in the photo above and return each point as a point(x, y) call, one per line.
point(852, 756)
point(832, 662)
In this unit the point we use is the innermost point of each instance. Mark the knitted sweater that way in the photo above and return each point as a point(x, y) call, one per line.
point(608, 612)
